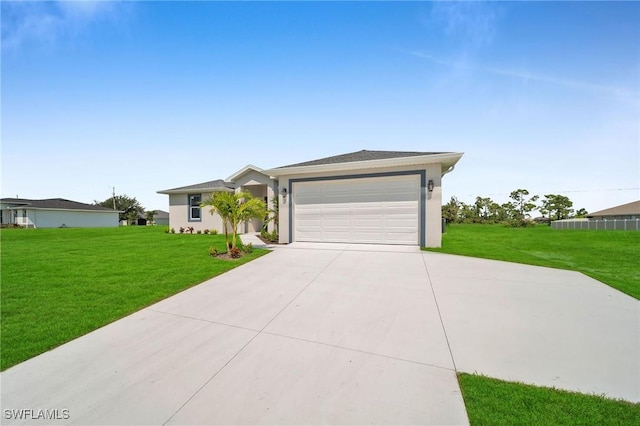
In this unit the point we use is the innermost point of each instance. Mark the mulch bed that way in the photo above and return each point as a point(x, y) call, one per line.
point(264, 240)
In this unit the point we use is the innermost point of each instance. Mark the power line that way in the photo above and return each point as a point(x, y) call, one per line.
point(565, 192)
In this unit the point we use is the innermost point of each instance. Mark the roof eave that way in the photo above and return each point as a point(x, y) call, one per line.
point(193, 190)
point(63, 209)
point(447, 160)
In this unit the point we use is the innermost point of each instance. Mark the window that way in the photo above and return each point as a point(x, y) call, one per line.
point(194, 207)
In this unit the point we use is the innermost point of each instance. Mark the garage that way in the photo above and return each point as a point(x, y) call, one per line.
point(369, 197)
point(372, 210)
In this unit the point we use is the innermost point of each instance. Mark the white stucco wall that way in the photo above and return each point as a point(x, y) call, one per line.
point(179, 215)
point(433, 200)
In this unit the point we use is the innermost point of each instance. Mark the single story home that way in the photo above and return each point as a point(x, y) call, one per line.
point(373, 197)
point(161, 217)
point(55, 213)
point(624, 211)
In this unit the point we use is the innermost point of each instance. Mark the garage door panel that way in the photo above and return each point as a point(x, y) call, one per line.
point(370, 210)
point(400, 224)
point(335, 237)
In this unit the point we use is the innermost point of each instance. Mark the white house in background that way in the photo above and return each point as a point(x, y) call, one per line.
point(161, 217)
point(373, 197)
point(55, 213)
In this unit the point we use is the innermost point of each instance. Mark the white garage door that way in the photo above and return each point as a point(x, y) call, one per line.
point(370, 210)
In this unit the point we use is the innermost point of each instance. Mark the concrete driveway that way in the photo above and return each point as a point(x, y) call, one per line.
point(337, 334)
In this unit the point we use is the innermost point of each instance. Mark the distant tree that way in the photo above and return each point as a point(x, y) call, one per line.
point(129, 207)
point(509, 211)
point(498, 213)
point(581, 212)
point(557, 206)
point(450, 210)
point(150, 214)
point(132, 217)
point(468, 213)
point(483, 208)
point(522, 204)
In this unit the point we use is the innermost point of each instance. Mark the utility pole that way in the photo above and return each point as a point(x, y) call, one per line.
point(114, 198)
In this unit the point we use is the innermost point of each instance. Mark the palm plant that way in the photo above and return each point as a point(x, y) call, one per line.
point(233, 209)
point(220, 203)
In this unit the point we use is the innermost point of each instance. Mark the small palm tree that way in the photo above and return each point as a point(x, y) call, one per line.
point(233, 209)
point(220, 203)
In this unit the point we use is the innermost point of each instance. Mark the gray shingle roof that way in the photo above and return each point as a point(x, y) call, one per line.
point(161, 214)
point(364, 155)
point(53, 203)
point(213, 184)
point(632, 208)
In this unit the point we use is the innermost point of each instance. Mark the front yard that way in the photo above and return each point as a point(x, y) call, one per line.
point(58, 284)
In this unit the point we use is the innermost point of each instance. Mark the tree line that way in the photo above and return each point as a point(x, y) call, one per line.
point(130, 208)
point(516, 211)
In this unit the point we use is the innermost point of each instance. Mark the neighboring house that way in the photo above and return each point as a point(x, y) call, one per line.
point(55, 213)
point(375, 197)
point(624, 211)
point(161, 217)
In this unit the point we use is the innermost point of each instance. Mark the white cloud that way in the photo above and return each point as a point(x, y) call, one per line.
point(612, 91)
point(473, 22)
point(44, 23)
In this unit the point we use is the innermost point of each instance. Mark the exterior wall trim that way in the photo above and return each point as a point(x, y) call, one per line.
point(421, 205)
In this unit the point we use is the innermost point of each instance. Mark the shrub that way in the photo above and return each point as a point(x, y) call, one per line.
point(198, 232)
point(166, 231)
point(16, 226)
point(213, 252)
point(214, 232)
point(181, 230)
point(190, 229)
point(235, 253)
point(247, 248)
point(172, 230)
point(269, 236)
point(206, 231)
point(521, 223)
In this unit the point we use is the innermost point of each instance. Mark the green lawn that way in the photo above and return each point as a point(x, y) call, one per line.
point(58, 284)
point(495, 402)
point(608, 256)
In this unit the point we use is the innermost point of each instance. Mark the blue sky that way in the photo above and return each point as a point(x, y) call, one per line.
point(145, 96)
